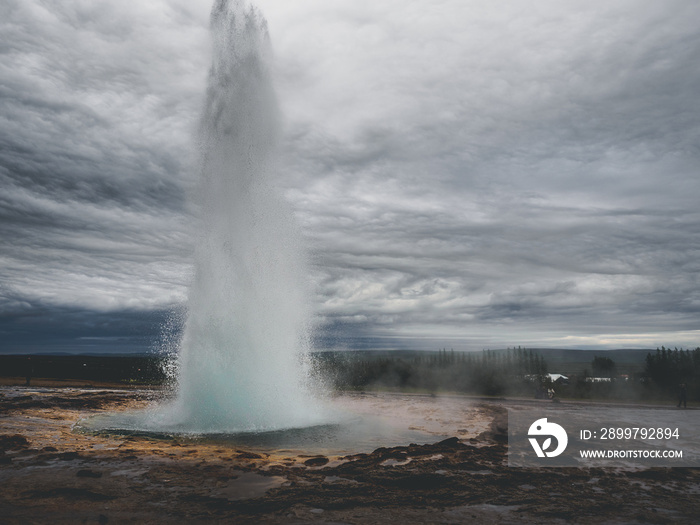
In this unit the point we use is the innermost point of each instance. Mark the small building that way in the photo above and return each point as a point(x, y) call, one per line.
point(598, 380)
point(554, 378)
point(558, 378)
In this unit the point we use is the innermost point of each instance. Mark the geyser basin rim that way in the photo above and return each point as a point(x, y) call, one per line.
point(354, 434)
point(85, 426)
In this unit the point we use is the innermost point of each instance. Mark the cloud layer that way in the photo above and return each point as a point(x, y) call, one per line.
point(466, 174)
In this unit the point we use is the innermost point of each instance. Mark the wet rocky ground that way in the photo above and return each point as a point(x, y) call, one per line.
point(51, 474)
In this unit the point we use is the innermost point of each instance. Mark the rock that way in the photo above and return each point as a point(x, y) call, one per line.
point(13, 442)
point(316, 462)
point(87, 473)
point(448, 443)
point(248, 455)
point(68, 456)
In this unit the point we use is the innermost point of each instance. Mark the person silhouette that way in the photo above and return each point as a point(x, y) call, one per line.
point(682, 395)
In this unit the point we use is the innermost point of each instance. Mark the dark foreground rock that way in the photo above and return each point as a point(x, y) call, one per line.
point(57, 476)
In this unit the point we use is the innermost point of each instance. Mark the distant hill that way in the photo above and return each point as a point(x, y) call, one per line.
point(622, 355)
point(559, 360)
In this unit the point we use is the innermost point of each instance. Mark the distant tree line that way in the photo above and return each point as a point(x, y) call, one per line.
point(659, 379)
point(667, 369)
point(603, 367)
point(489, 373)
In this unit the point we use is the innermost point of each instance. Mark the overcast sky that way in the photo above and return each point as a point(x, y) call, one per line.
point(468, 174)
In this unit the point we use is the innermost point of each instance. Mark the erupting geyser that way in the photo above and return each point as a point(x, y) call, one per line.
point(243, 357)
point(242, 363)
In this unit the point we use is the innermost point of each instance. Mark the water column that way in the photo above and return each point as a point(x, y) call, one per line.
point(241, 363)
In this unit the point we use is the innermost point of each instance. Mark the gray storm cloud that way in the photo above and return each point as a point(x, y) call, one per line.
point(463, 172)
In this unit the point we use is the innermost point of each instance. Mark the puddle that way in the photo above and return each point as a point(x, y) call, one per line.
point(248, 485)
point(395, 462)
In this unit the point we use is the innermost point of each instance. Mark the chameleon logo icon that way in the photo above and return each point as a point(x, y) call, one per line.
point(542, 428)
